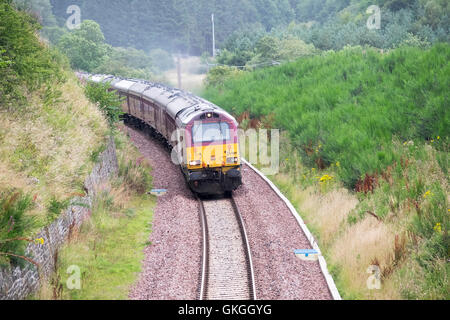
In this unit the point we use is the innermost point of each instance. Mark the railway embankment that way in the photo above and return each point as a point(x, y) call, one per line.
point(19, 282)
point(55, 151)
point(364, 159)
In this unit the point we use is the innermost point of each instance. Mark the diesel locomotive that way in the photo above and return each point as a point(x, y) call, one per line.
point(203, 137)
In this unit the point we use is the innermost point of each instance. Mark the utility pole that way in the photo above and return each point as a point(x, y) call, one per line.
point(214, 36)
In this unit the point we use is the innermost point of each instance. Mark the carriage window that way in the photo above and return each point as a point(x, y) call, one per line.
point(211, 132)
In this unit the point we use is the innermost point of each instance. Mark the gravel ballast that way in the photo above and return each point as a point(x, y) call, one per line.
point(172, 264)
point(274, 234)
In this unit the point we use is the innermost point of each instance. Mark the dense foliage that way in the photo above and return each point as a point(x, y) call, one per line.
point(346, 107)
point(24, 61)
point(186, 25)
point(175, 25)
point(108, 101)
point(332, 25)
point(85, 47)
point(13, 224)
point(48, 129)
point(88, 51)
point(127, 62)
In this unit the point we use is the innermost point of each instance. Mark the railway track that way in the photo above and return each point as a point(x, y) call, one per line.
point(227, 268)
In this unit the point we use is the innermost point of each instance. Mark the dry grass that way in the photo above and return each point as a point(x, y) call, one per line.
point(326, 212)
point(356, 231)
point(109, 246)
point(350, 248)
point(45, 148)
point(366, 243)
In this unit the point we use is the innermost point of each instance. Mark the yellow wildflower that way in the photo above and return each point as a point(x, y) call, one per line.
point(40, 241)
point(326, 178)
point(427, 194)
point(338, 164)
point(438, 137)
point(438, 227)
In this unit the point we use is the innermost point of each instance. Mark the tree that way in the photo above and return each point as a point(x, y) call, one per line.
point(42, 9)
point(24, 61)
point(108, 101)
point(127, 62)
point(292, 49)
point(85, 47)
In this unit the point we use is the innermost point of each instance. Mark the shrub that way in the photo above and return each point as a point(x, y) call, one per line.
point(218, 75)
point(127, 62)
point(108, 101)
point(14, 225)
point(85, 47)
point(55, 207)
point(24, 61)
point(352, 103)
point(134, 170)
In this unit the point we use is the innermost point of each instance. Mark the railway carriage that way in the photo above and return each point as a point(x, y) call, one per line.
point(203, 136)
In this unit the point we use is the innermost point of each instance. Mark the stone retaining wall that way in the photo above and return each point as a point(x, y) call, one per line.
point(18, 283)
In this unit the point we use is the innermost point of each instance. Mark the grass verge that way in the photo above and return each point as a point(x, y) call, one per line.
point(108, 249)
point(400, 227)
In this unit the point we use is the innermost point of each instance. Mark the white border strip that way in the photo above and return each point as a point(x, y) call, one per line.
point(323, 264)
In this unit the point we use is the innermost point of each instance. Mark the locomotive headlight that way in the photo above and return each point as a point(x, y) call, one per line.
point(232, 160)
point(195, 163)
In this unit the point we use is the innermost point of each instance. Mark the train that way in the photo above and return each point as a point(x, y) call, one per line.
point(202, 136)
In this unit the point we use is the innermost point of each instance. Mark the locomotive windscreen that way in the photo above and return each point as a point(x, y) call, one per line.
point(211, 132)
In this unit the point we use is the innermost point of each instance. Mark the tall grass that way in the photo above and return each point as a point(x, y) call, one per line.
point(48, 130)
point(351, 102)
point(401, 226)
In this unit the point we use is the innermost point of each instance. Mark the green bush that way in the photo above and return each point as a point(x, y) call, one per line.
point(351, 103)
point(24, 61)
point(85, 47)
point(55, 208)
point(127, 62)
point(218, 75)
point(14, 224)
point(108, 101)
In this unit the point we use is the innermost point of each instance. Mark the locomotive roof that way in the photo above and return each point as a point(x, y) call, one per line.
point(180, 105)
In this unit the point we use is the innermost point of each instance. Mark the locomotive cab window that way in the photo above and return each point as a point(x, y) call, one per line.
point(211, 132)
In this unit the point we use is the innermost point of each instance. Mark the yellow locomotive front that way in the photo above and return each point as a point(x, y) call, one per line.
point(213, 164)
